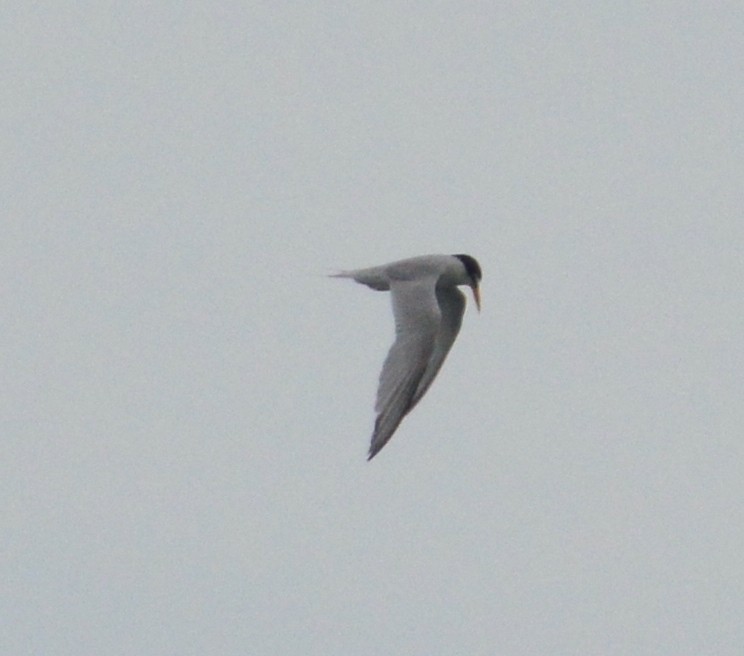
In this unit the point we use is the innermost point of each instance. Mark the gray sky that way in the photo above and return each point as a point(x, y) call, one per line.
point(187, 400)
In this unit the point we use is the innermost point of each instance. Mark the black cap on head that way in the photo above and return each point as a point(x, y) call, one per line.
point(471, 266)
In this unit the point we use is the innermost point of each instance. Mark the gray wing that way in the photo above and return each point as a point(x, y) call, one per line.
point(452, 306)
point(417, 323)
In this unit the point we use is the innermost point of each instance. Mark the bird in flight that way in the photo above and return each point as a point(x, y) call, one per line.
point(428, 310)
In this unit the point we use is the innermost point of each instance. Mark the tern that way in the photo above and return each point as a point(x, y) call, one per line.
point(428, 309)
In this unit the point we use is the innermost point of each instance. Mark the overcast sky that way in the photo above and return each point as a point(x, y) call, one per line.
point(187, 400)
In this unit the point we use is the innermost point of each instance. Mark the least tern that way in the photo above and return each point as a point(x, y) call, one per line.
point(428, 310)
